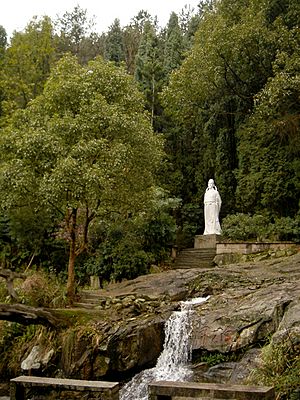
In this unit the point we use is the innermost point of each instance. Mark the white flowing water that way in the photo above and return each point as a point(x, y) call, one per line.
point(172, 364)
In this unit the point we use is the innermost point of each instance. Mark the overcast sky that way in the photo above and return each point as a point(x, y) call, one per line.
point(15, 14)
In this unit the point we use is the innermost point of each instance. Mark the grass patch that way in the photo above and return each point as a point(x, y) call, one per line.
point(280, 367)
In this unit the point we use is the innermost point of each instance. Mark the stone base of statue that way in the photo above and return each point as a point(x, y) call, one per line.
point(206, 241)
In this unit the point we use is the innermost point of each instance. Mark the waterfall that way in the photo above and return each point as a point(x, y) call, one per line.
point(172, 364)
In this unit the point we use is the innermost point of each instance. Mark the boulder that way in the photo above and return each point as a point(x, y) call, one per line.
point(231, 322)
point(37, 358)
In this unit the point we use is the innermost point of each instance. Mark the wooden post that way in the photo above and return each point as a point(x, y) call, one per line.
point(17, 392)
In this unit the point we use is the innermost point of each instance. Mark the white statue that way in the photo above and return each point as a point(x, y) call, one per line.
point(212, 206)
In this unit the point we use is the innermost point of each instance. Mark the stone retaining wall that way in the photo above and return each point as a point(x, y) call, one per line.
point(249, 247)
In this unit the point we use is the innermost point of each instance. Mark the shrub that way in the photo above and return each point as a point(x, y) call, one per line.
point(42, 290)
point(280, 367)
point(286, 228)
point(245, 227)
point(260, 227)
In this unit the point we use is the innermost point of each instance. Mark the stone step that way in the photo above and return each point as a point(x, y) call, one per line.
point(184, 266)
point(195, 258)
point(187, 259)
point(198, 251)
point(194, 262)
point(91, 296)
point(83, 304)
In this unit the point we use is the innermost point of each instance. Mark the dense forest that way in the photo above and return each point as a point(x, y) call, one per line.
point(108, 140)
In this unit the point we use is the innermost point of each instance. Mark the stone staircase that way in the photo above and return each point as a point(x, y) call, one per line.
point(195, 258)
point(90, 300)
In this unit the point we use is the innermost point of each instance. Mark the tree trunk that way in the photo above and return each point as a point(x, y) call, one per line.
point(72, 257)
point(29, 315)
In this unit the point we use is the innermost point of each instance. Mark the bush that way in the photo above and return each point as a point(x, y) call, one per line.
point(286, 228)
point(245, 227)
point(42, 290)
point(128, 248)
point(280, 367)
point(260, 227)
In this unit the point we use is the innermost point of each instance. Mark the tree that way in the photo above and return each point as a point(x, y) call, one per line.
point(212, 94)
point(114, 46)
point(148, 72)
point(173, 46)
point(3, 40)
point(75, 34)
point(3, 44)
point(28, 61)
point(269, 169)
point(84, 148)
point(132, 34)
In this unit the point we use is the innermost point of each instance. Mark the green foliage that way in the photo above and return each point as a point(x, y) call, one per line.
point(148, 67)
point(41, 289)
point(82, 150)
point(233, 109)
point(260, 227)
point(269, 142)
point(280, 368)
point(215, 358)
point(189, 219)
point(27, 63)
point(286, 228)
point(173, 46)
point(245, 227)
point(128, 248)
point(114, 46)
point(75, 34)
point(16, 341)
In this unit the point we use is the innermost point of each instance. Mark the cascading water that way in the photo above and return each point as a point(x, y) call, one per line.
point(172, 364)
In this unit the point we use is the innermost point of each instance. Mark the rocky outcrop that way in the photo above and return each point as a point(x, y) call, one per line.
point(234, 321)
point(249, 304)
point(258, 301)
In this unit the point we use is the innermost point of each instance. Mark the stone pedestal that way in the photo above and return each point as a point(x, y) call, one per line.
point(206, 241)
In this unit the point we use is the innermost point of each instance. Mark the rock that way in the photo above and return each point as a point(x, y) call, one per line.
point(36, 358)
point(250, 303)
point(135, 346)
point(171, 284)
point(101, 365)
point(289, 327)
point(229, 372)
point(219, 373)
point(233, 322)
point(243, 368)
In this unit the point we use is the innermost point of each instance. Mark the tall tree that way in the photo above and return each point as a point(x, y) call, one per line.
point(114, 45)
point(3, 40)
point(214, 93)
point(75, 33)
point(148, 72)
point(28, 62)
point(3, 44)
point(84, 148)
point(173, 46)
point(132, 34)
point(269, 142)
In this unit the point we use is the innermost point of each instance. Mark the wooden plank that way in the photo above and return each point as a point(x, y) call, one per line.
point(77, 384)
point(18, 386)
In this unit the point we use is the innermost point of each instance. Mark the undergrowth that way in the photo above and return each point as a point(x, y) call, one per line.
point(280, 367)
point(38, 289)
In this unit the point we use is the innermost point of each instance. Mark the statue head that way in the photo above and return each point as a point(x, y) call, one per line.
point(211, 184)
